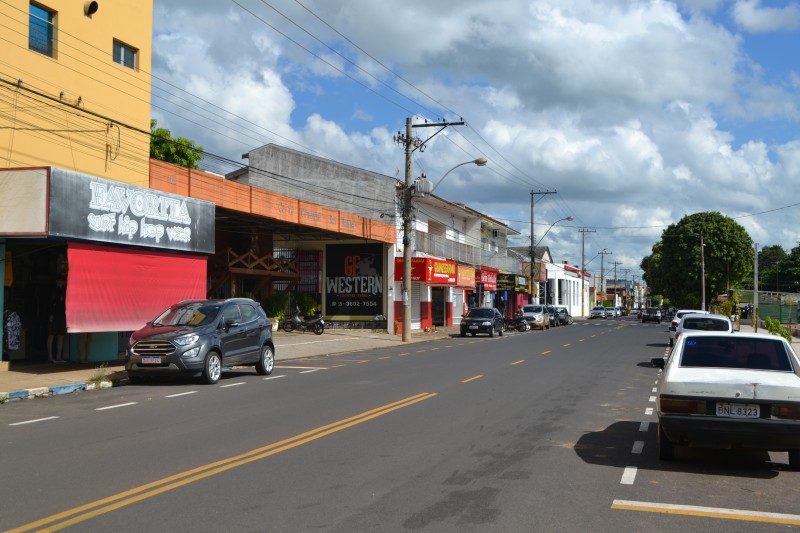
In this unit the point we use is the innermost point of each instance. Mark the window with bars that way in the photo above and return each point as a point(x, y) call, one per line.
point(125, 55)
point(41, 32)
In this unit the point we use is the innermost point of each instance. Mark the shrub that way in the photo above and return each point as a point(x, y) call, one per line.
point(275, 305)
point(774, 327)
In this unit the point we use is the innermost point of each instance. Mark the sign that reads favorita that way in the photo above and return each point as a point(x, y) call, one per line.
point(96, 209)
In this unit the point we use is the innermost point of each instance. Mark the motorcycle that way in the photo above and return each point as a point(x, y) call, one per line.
point(309, 323)
point(519, 323)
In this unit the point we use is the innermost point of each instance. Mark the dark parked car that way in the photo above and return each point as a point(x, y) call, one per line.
point(564, 318)
point(482, 320)
point(553, 314)
point(200, 337)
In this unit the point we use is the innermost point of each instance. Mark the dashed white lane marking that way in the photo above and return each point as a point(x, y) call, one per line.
point(655, 389)
point(644, 426)
point(181, 394)
point(231, 385)
point(33, 421)
point(628, 476)
point(638, 446)
point(652, 399)
point(276, 377)
point(115, 406)
point(648, 411)
point(312, 370)
point(296, 367)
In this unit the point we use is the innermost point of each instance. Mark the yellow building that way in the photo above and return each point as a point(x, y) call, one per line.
point(73, 77)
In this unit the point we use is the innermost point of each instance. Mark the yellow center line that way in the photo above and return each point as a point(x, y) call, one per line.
point(386, 357)
point(337, 366)
point(546, 352)
point(710, 512)
point(434, 349)
point(90, 510)
point(479, 376)
point(518, 362)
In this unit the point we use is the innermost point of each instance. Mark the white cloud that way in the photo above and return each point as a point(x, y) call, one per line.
point(755, 18)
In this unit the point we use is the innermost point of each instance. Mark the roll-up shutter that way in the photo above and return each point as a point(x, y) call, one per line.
point(120, 289)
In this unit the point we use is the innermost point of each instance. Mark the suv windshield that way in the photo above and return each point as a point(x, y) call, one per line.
point(191, 314)
point(532, 309)
point(480, 313)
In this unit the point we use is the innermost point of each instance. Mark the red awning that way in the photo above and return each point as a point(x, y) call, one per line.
point(120, 289)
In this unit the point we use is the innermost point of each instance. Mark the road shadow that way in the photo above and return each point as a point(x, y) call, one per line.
point(612, 447)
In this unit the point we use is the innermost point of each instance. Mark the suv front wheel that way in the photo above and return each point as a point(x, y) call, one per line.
point(266, 362)
point(213, 368)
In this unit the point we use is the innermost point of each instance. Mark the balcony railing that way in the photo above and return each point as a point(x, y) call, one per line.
point(464, 253)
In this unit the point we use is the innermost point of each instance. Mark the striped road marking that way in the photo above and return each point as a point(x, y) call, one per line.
point(709, 512)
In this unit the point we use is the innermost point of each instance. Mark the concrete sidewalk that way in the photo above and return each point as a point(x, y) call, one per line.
point(32, 380)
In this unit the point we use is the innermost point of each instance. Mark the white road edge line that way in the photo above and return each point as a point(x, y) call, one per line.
point(115, 406)
point(629, 475)
point(32, 421)
point(181, 394)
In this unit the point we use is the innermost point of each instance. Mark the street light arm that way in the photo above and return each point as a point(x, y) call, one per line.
point(569, 219)
point(481, 161)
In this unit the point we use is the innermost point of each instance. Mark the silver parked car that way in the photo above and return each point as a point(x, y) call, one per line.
point(598, 312)
point(730, 391)
point(536, 316)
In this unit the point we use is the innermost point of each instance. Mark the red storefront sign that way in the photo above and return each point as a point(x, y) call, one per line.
point(427, 270)
point(488, 277)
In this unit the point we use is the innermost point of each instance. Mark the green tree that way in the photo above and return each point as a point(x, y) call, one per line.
point(674, 268)
point(180, 151)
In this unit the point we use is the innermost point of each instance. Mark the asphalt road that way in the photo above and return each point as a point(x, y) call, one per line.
point(536, 431)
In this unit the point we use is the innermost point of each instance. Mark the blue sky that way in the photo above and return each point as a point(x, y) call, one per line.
point(636, 112)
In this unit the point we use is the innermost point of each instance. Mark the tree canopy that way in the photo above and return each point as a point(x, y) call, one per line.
point(674, 269)
point(180, 151)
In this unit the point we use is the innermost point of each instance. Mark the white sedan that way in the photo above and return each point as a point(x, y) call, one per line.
point(730, 391)
point(701, 322)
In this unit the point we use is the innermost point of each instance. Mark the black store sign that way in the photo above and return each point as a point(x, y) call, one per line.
point(96, 209)
point(354, 279)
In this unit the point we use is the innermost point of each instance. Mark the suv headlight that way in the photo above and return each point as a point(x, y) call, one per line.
point(186, 341)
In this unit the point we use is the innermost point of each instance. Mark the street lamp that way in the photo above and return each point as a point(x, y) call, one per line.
point(421, 187)
point(568, 219)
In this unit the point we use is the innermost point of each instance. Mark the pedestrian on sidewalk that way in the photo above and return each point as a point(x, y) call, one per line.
point(58, 322)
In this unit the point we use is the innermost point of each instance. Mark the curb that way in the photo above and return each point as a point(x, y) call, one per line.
point(40, 392)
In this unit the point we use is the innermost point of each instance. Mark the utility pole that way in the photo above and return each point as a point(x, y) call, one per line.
point(584, 231)
point(702, 274)
point(602, 255)
point(625, 288)
point(411, 143)
point(755, 290)
point(616, 283)
point(633, 291)
point(533, 245)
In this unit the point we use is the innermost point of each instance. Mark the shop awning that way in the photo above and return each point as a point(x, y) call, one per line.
point(120, 289)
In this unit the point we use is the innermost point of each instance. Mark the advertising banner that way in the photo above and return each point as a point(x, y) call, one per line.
point(96, 209)
point(354, 279)
point(488, 277)
point(465, 277)
point(427, 270)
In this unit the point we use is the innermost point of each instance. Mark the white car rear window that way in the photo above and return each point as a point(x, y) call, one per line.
point(735, 352)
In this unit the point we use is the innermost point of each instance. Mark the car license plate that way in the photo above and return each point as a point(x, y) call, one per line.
point(150, 360)
point(473, 327)
point(738, 410)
